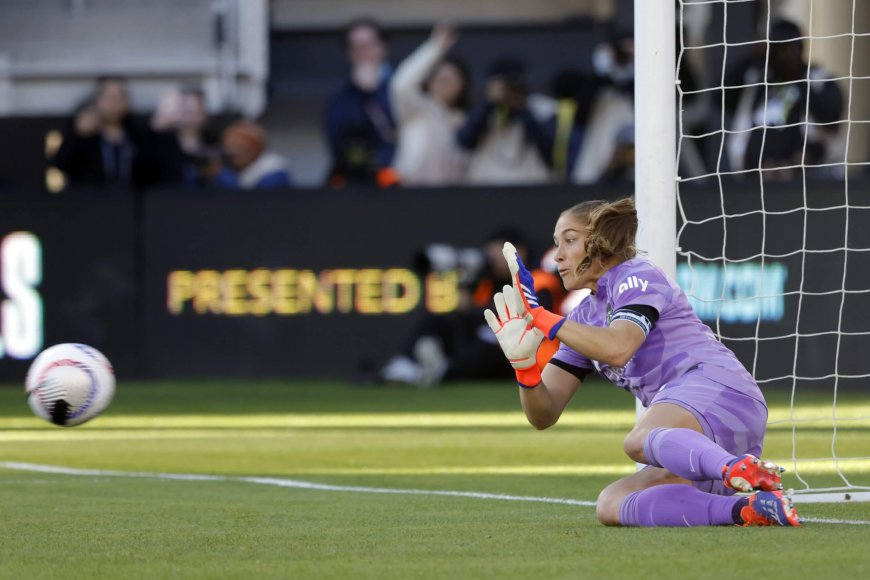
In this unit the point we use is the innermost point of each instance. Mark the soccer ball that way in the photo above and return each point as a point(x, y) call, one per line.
point(69, 384)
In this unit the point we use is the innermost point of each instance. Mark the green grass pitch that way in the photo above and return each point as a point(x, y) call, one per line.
point(465, 438)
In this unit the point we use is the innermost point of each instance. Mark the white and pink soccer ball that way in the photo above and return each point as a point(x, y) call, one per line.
point(69, 384)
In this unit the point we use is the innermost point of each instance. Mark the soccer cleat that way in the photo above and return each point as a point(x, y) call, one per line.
point(749, 473)
point(769, 508)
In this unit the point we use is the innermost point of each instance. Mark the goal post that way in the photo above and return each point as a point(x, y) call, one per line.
point(772, 253)
point(655, 135)
point(655, 131)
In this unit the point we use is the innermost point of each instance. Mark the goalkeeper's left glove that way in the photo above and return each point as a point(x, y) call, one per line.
point(544, 320)
point(518, 339)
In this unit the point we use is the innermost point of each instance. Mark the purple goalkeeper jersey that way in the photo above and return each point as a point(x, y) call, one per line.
point(679, 343)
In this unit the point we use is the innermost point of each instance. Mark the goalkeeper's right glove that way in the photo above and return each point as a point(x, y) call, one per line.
point(548, 322)
point(518, 339)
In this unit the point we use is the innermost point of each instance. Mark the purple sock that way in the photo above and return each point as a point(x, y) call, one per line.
point(679, 505)
point(686, 453)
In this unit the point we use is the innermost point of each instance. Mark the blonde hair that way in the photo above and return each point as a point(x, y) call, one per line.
point(611, 229)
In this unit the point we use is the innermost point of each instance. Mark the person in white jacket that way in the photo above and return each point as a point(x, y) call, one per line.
point(429, 93)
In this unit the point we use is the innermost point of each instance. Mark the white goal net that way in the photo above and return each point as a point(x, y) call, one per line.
point(773, 196)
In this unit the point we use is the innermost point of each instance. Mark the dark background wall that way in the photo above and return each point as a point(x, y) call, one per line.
point(107, 262)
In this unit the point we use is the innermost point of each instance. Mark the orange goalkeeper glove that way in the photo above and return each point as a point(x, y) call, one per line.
point(518, 339)
point(544, 320)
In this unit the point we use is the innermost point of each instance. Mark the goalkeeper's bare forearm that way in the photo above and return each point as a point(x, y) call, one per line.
point(543, 404)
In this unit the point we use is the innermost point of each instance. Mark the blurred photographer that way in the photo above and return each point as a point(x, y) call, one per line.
point(508, 144)
point(103, 145)
point(564, 113)
point(189, 149)
point(611, 119)
point(797, 104)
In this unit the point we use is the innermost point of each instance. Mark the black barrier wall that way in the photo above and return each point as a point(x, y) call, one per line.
point(312, 283)
point(794, 298)
point(68, 274)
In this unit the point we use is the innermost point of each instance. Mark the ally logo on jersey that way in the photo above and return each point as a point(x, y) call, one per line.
point(633, 282)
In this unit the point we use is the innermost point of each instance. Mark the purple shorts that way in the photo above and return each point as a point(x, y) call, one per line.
point(731, 418)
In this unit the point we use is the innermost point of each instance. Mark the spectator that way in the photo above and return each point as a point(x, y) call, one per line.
point(507, 142)
point(359, 121)
point(611, 121)
point(772, 118)
point(564, 116)
point(103, 146)
point(188, 153)
point(248, 164)
point(456, 346)
point(430, 96)
point(696, 113)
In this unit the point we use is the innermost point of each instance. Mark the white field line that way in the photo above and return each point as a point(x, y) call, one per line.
point(296, 484)
point(291, 483)
point(809, 496)
point(830, 521)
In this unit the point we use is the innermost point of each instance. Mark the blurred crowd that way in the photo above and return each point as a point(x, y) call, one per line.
point(416, 124)
point(104, 145)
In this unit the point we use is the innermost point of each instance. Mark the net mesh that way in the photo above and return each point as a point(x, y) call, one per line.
point(774, 234)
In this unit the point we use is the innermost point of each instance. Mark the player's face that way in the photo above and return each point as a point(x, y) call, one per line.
point(570, 240)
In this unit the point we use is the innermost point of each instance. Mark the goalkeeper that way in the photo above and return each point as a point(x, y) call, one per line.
point(703, 428)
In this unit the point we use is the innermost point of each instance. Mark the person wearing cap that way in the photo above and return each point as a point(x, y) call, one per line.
point(507, 142)
point(248, 164)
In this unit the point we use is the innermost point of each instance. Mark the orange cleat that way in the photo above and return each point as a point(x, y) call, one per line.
point(769, 508)
point(749, 473)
